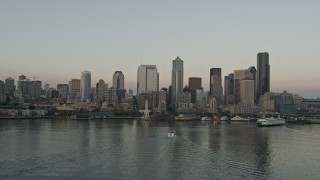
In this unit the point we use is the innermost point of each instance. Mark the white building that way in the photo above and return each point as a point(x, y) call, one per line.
point(85, 86)
point(148, 79)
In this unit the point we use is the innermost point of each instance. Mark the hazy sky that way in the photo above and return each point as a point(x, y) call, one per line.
point(56, 40)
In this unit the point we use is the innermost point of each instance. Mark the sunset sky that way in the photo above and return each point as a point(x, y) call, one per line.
point(57, 40)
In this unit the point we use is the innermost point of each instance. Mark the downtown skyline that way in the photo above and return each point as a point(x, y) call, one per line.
point(104, 37)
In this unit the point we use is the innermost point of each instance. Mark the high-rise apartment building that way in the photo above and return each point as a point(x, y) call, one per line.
point(176, 79)
point(85, 85)
point(148, 79)
point(240, 75)
point(194, 84)
point(263, 74)
point(74, 89)
point(118, 80)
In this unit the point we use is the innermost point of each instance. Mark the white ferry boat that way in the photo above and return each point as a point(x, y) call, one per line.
point(206, 118)
point(171, 134)
point(271, 121)
point(224, 118)
point(239, 118)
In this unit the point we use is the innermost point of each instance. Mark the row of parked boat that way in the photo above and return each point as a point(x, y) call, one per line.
point(269, 121)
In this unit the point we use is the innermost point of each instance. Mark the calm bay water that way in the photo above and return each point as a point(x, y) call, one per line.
point(131, 149)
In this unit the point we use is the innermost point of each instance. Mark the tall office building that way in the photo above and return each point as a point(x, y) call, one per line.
point(85, 85)
point(148, 79)
point(74, 89)
point(247, 92)
point(263, 74)
point(229, 89)
point(240, 75)
point(216, 84)
point(35, 89)
point(63, 90)
point(1, 86)
point(118, 80)
point(101, 90)
point(24, 86)
point(176, 79)
point(194, 84)
point(9, 86)
point(253, 71)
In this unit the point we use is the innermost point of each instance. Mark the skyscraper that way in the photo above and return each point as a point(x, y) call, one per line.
point(253, 71)
point(176, 79)
point(74, 89)
point(101, 88)
point(85, 86)
point(194, 84)
point(1, 86)
point(9, 86)
point(63, 90)
point(35, 90)
point(24, 85)
point(216, 84)
point(247, 92)
point(148, 79)
point(263, 74)
point(118, 80)
point(240, 75)
point(229, 89)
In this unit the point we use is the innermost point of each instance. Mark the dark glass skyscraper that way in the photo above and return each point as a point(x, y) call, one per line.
point(263, 74)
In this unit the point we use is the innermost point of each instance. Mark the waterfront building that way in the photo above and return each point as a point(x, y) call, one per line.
point(263, 74)
point(118, 80)
point(183, 101)
point(229, 89)
point(216, 85)
point(148, 79)
point(101, 87)
point(9, 86)
point(176, 80)
point(240, 75)
point(213, 105)
point(35, 90)
point(74, 89)
point(247, 92)
point(151, 96)
point(267, 103)
point(85, 86)
point(1, 86)
point(63, 90)
point(194, 84)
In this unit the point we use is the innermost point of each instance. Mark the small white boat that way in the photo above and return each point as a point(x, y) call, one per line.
point(171, 134)
point(239, 118)
point(206, 118)
point(271, 121)
point(224, 118)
